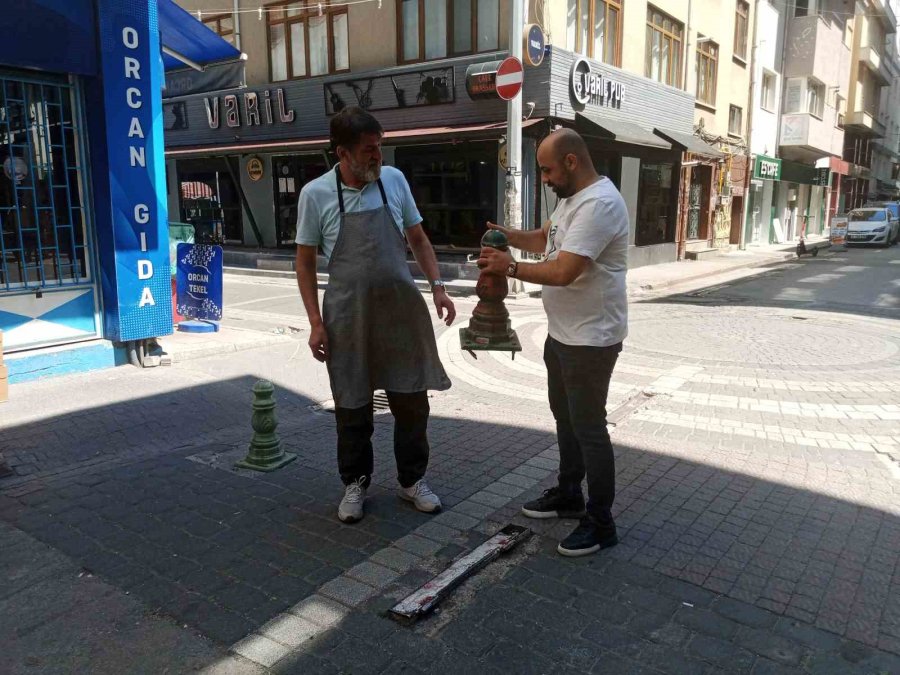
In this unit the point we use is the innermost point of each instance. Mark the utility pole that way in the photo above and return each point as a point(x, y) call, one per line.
point(513, 194)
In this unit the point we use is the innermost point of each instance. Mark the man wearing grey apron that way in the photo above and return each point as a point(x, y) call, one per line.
point(374, 330)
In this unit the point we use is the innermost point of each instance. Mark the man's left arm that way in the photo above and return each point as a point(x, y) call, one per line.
point(423, 252)
point(561, 271)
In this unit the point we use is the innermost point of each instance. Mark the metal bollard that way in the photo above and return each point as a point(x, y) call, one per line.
point(265, 452)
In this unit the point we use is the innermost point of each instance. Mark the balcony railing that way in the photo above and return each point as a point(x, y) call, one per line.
point(871, 59)
point(860, 120)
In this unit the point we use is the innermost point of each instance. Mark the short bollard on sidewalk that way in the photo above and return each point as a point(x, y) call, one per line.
point(265, 451)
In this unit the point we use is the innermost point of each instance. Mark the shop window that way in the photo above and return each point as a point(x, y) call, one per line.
point(654, 219)
point(436, 29)
point(663, 58)
point(768, 92)
point(222, 25)
point(741, 25)
point(290, 174)
point(210, 200)
point(815, 98)
point(307, 39)
point(707, 70)
point(735, 120)
point(43, 220)
point(594, 28)
point(455, 189)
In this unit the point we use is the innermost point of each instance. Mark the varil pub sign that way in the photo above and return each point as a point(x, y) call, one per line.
point(248, 109)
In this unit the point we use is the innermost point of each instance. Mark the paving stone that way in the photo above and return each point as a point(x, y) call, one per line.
point(706, 622)
point(347, 591)
point(374, 575)
point(320, 610)
point(290, 630)
point(721, 652)
point(455, 519)
point(744, 613)
point(771, 646)
point(396, 560)
point(421, 547)
point(261, 650)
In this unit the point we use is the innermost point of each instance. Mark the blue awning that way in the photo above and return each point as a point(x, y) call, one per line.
point(187, 41)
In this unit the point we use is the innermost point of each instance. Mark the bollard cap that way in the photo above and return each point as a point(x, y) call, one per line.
point(263, 387)
point(495, 239)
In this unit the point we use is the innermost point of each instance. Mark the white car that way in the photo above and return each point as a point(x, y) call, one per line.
point(872, 225)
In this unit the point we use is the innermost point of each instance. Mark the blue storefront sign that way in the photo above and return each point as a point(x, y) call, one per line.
point(198, 281)
point(134, 249)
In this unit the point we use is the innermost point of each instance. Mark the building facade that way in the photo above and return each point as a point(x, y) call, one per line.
point(84, 253)
point(820, 78)
point(685, 82)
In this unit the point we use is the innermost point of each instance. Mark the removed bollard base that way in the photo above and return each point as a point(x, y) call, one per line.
point(426, 598)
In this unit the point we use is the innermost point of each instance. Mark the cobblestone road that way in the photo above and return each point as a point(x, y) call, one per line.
point(758, 472)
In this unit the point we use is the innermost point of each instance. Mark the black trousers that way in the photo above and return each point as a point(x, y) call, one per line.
point(354, 432)
point(578, 384)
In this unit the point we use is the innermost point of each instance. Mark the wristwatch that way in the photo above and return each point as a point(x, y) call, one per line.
point(437, 283)
point(512, 268)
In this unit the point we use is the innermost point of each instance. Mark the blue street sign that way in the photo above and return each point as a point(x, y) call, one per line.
point(198, 283)
point(534, 45)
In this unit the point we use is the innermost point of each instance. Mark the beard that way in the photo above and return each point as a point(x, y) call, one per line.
point(366, 173)
point(562, 191)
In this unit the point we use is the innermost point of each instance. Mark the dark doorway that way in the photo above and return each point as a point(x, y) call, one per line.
point(210, 199)
point(290, 173)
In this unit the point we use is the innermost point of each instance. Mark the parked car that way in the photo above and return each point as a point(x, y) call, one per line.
point(893, 207)
point(872, 225)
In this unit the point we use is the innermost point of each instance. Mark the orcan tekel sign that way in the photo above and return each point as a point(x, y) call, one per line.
point(587, 86)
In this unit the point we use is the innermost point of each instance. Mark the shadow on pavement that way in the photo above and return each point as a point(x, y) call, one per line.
point(759, 562)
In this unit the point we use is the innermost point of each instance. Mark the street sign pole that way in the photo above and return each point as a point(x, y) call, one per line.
point(513, 201)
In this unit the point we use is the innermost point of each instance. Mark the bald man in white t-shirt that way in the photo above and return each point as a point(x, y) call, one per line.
point(585, 247)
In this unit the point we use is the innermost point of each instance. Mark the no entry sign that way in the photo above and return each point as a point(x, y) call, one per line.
point(510, 75)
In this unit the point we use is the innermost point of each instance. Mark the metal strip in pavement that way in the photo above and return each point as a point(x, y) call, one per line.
point(424, 599)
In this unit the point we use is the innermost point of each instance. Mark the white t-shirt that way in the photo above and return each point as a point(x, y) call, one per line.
point(593, 309)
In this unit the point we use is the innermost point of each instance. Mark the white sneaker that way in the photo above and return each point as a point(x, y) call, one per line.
point(351, 506)
point(422, 496)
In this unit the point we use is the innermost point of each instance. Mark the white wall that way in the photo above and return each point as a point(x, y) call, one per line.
point(763, 139)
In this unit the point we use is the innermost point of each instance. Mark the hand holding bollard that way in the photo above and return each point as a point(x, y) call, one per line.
point(489, 328)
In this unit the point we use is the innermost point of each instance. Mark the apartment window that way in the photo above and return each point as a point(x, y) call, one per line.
point(840, 108)
point(707, 70)
point(735, 120)
point(767, 100)
point(741, 23)
point(815, 98)
point(222, 25)
point(594, 28)
point(307, 39)
point(665, 38)
point(436, 29)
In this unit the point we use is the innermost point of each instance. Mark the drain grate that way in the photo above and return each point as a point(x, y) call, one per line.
point(379, 404)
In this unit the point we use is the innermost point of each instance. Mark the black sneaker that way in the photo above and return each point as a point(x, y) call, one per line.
point(554, 504)
point(587, 538)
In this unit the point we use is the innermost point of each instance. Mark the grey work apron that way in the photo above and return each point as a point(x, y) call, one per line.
point(379, 329)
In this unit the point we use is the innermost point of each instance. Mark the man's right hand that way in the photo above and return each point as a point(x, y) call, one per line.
point(499, 228)
point(318, 342)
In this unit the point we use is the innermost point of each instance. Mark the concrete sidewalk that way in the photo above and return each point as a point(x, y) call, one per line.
point(461, 279)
